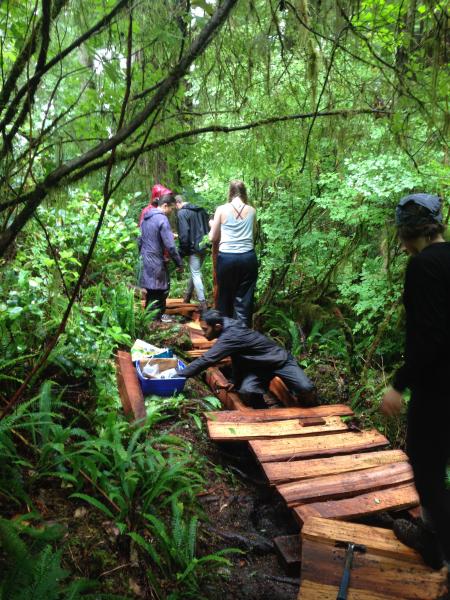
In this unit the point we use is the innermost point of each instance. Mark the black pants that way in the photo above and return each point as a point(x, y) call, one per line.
point(236, 279)
point(157, 300)
point(428, 448)
point(292, 375)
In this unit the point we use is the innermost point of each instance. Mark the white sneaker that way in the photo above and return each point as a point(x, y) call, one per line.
point(166, 319)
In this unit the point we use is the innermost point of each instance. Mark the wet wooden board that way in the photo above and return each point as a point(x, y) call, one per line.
point(393, 498)
point(388, 570)
point(323, 445)
point(289, 551)
point(344, 485)
point(295, 470)
point(223, 432)
point(279, 414)
point(128, 385)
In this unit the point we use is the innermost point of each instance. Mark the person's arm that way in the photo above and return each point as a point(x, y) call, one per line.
point(214, 234)
point(223, 347)
point(183, 232)
point(169, 242)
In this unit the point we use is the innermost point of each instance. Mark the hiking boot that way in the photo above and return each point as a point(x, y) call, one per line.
point(421, 539)
point(203, 305)
point(166, 319)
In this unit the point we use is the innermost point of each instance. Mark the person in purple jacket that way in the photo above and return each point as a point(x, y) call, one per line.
point(156, 236)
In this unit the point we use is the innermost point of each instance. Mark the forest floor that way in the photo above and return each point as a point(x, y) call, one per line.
point(239, 511)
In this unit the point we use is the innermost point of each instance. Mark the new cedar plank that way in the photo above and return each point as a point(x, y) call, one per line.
point(377, 540)
point(176, 302)
point(371, 573)
point(296, 470)
point(280, 414)
point(279, 389)
point(223, 432)
point(343, 485)
point(323, 445)
point(219, 384)
point(394, 498)
point(129, 389)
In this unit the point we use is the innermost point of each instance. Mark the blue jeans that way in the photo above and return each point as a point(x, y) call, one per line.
point(195, 280)
point(236, 279)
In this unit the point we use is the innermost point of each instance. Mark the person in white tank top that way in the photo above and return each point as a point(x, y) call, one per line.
point(233, 227)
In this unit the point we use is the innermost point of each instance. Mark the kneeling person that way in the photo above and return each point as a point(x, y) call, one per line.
point(255, 359)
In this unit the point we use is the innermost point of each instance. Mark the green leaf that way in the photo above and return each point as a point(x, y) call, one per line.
point(94, 502)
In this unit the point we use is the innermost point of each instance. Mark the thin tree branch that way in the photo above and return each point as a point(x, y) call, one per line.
point(58, 58)
point(168, 85)
point(122, 156)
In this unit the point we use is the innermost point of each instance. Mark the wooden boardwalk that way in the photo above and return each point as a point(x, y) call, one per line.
point(331, 476)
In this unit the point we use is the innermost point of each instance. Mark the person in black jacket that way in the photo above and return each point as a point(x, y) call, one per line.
point(192, 228)
point(255, 359)
point(425, 372)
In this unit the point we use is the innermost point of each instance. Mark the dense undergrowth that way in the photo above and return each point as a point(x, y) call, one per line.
point(329, 111)
point(71, 438)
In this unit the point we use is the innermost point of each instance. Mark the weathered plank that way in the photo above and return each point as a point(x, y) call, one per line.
point(280, 414)
point(289, 550)
point(387, 570)
point(223, 432)
point(323, 445)
point(381, 541)
point(343, 485)
point(295, 470)
point(129, 389)
point(393, 498)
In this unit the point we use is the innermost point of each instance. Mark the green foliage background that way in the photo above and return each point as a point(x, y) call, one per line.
point(329, 111)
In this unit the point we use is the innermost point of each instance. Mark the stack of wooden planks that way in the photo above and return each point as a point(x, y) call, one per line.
point(330, 474)
point(176, 306)
point(317, 464)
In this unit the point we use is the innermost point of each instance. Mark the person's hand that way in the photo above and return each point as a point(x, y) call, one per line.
point(392, 402)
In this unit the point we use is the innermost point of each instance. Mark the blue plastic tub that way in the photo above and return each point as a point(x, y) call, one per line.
point(161, 387)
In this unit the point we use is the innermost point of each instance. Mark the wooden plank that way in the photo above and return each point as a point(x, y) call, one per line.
point(378, 540)
point(295, 470)
point(280, 414)
point(323, 445)
point(373, 576)
point(220, 386)
point(129, 389)
point(289, 550)
point(344, 485)
point(177, 302)
point(279, 389)
point(313, 590)
point(393, 498)
point(223, 432)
